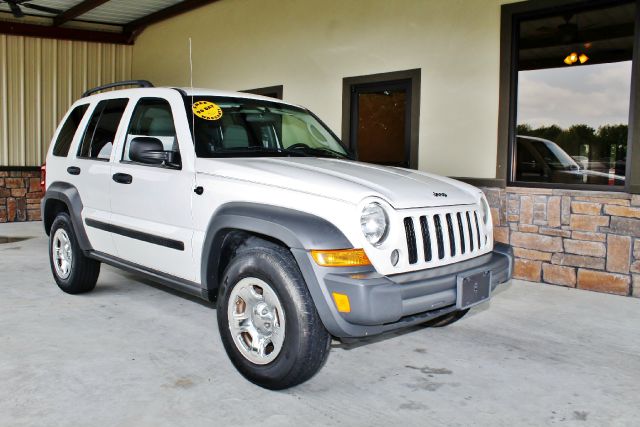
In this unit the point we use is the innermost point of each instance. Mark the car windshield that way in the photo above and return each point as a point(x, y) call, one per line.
point(240, 127)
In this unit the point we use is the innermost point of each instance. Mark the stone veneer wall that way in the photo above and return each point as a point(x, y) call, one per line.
point(584, 239)
point(19, 195)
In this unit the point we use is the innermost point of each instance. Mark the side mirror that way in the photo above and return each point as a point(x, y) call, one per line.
point(150, 151)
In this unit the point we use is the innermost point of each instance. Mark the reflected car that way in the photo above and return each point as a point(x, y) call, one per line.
point(542, 160)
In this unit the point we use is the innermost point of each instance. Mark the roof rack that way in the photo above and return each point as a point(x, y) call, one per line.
point(139, 83)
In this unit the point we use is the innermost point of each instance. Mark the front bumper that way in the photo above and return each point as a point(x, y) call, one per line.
point(382, 303)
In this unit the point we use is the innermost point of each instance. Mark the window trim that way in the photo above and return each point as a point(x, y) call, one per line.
point(413, 76)
point(66, 120)
point(126, 134)
point(508, 93)
point(86, 128)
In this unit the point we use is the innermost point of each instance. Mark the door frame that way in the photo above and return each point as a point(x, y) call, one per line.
point(409, 77)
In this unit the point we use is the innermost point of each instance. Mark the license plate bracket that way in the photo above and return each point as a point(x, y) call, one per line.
point(473, 289)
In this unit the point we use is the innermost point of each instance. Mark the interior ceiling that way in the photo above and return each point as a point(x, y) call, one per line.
point(604, 35)
point(116, 21)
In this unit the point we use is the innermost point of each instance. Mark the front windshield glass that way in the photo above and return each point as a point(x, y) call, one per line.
point(240, 127)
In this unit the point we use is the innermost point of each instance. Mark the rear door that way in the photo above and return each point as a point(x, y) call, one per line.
point(90, 171)
point(151, 208)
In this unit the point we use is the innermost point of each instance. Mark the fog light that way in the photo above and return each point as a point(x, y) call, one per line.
point(395, 257)
point(342, 302)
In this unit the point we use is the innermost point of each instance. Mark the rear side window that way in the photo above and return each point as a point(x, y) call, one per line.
point(97, 142)
point(69, 128)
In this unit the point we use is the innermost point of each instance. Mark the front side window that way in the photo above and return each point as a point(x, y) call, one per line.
point(99, 136)
point(152, 118)
point(68, 131)
point(237, 127)
point(573, 96)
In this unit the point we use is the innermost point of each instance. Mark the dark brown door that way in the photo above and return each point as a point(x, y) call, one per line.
point(380, 122)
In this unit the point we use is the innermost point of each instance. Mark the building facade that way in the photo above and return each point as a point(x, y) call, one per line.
point(534, 102)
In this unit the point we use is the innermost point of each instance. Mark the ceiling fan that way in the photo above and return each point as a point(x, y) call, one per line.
point(17, 5)
point(567, 32)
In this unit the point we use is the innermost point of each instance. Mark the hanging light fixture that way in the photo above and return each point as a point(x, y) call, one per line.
point(573, 57)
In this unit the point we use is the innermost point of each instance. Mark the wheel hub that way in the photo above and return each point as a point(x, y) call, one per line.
point(62, 253)
point(256, 320)
point(263, 317)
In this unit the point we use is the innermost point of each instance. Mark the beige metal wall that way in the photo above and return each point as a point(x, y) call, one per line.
point(39, 79)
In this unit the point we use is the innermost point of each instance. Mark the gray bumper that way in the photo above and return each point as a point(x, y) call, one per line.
point(382, 303)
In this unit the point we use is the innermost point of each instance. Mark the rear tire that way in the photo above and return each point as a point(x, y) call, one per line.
point(73, 271)
point(447, 319)
point(268, 323)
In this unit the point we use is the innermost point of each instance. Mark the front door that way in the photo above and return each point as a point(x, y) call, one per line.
point(151, 203)
point(380, 122)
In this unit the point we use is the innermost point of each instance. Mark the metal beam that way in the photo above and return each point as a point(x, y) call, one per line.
point(32, 30)
point(136, 27)
point(585, 36)
point(77, 10)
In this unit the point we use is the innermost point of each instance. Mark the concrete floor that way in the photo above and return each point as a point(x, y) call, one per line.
point(133, 354)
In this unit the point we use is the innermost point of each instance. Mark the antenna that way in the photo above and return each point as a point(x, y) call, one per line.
point(190, 64)
point(193, 116)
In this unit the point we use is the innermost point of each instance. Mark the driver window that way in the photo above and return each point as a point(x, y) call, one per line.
point(152, 118)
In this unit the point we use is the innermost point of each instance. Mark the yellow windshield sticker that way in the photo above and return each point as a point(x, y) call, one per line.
point(207, 110)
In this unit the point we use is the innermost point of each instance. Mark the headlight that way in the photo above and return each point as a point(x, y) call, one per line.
point(374, 223)
point(486, 212)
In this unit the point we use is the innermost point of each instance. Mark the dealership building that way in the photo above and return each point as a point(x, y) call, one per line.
point(535, 102)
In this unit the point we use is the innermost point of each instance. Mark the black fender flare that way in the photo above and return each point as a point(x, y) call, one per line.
point(69, 195)
point(296, 229)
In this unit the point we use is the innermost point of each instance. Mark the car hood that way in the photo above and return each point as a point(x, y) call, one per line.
point(344, 180)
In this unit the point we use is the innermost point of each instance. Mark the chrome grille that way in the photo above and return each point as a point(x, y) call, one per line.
point(444, 235)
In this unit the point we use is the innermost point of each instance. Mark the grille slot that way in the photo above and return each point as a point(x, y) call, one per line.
point(426, 238)
point(411, 240)
point(452, 237)
point(439, 239)
point(470, 232)
point(463, 244)
point(475, 214)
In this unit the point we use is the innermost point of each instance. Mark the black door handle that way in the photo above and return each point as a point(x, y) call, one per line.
point(73, 170)
point(122, 178)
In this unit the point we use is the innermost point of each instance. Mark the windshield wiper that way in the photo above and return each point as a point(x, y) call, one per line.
point(318, 152)
point(258, 149)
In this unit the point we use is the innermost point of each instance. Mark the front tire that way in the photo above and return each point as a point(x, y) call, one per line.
point(73, 271)
point(268, 323)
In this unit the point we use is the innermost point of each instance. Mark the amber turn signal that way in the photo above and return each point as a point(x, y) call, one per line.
point(341, 258)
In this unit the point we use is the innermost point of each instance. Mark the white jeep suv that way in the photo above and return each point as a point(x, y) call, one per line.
point(254, 203)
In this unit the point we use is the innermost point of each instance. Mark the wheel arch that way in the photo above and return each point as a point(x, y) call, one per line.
point(233, 223)
point(64, 197)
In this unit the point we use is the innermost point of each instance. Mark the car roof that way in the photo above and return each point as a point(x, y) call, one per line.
point(185, 91)
point(534, 138)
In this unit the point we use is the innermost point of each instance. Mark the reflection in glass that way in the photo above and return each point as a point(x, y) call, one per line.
point(574, 83)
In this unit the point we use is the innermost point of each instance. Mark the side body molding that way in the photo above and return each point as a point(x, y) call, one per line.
point(67, 194)
point(296, 229)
